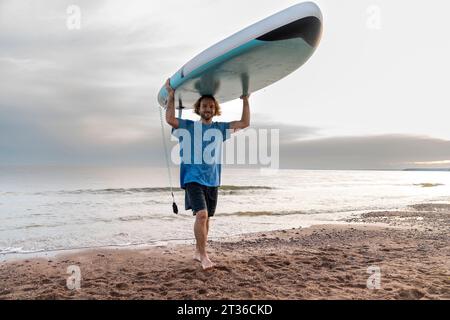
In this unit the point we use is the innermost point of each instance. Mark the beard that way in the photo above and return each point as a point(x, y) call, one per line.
point(207, 116)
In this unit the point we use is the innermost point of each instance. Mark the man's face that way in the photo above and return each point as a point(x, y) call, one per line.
point(207, 109)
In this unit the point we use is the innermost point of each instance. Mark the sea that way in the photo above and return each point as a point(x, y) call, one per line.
point(46, 209)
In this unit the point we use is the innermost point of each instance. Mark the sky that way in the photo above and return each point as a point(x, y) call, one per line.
point(373, 96)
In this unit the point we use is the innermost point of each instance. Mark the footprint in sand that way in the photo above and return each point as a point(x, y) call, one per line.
point(122, 286)
point(410, 294)
point(223, 268)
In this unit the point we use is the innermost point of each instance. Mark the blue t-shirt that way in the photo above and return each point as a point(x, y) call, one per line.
point(201, 151)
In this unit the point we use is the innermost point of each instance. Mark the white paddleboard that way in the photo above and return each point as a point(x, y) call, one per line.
point(251, 59)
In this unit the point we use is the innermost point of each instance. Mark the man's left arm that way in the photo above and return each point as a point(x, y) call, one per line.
point(245, 120)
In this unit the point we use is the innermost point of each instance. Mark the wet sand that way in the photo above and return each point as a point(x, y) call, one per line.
point(410, 248)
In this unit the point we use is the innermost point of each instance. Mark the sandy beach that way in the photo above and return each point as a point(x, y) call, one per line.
point(410, 249)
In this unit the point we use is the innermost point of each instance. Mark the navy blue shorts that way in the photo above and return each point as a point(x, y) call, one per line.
point(199, 198)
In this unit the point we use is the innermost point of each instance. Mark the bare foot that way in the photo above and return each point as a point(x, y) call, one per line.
point(207, 264)
point(197, 256)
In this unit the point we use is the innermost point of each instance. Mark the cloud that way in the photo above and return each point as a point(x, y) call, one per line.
point(369, 152)
point(89, 96)
point(86, 96)
point(81, 96)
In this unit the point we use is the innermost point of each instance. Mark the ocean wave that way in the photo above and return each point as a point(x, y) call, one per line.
point(299, 212)
point(158, 190)
point(119, 191)
point(11, 250)
point(244, 188)
point(34, 226)
point(263, 213)
point(19, 250)
point(145, 218)
point(9, 193)
point(132, 218)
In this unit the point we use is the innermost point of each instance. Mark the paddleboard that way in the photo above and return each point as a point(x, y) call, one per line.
point(251, 59)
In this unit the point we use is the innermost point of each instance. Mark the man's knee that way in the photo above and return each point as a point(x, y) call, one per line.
point(202, 216)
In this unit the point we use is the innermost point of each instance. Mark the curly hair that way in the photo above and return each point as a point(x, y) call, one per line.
point(218, 111)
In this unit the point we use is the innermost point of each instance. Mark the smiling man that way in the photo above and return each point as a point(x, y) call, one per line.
point(201, 147)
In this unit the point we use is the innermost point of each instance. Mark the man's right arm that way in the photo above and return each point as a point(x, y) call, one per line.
point(170, 111)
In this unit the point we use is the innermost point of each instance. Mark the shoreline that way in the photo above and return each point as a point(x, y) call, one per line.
point(15, 256)
point(411, 249)
point(11, 257)
point(6, 257)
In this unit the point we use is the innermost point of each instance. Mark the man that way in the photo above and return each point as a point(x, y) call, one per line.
point(201, 180)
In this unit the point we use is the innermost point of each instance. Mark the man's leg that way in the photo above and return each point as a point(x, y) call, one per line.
point(197, 256)
point(201, 235)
